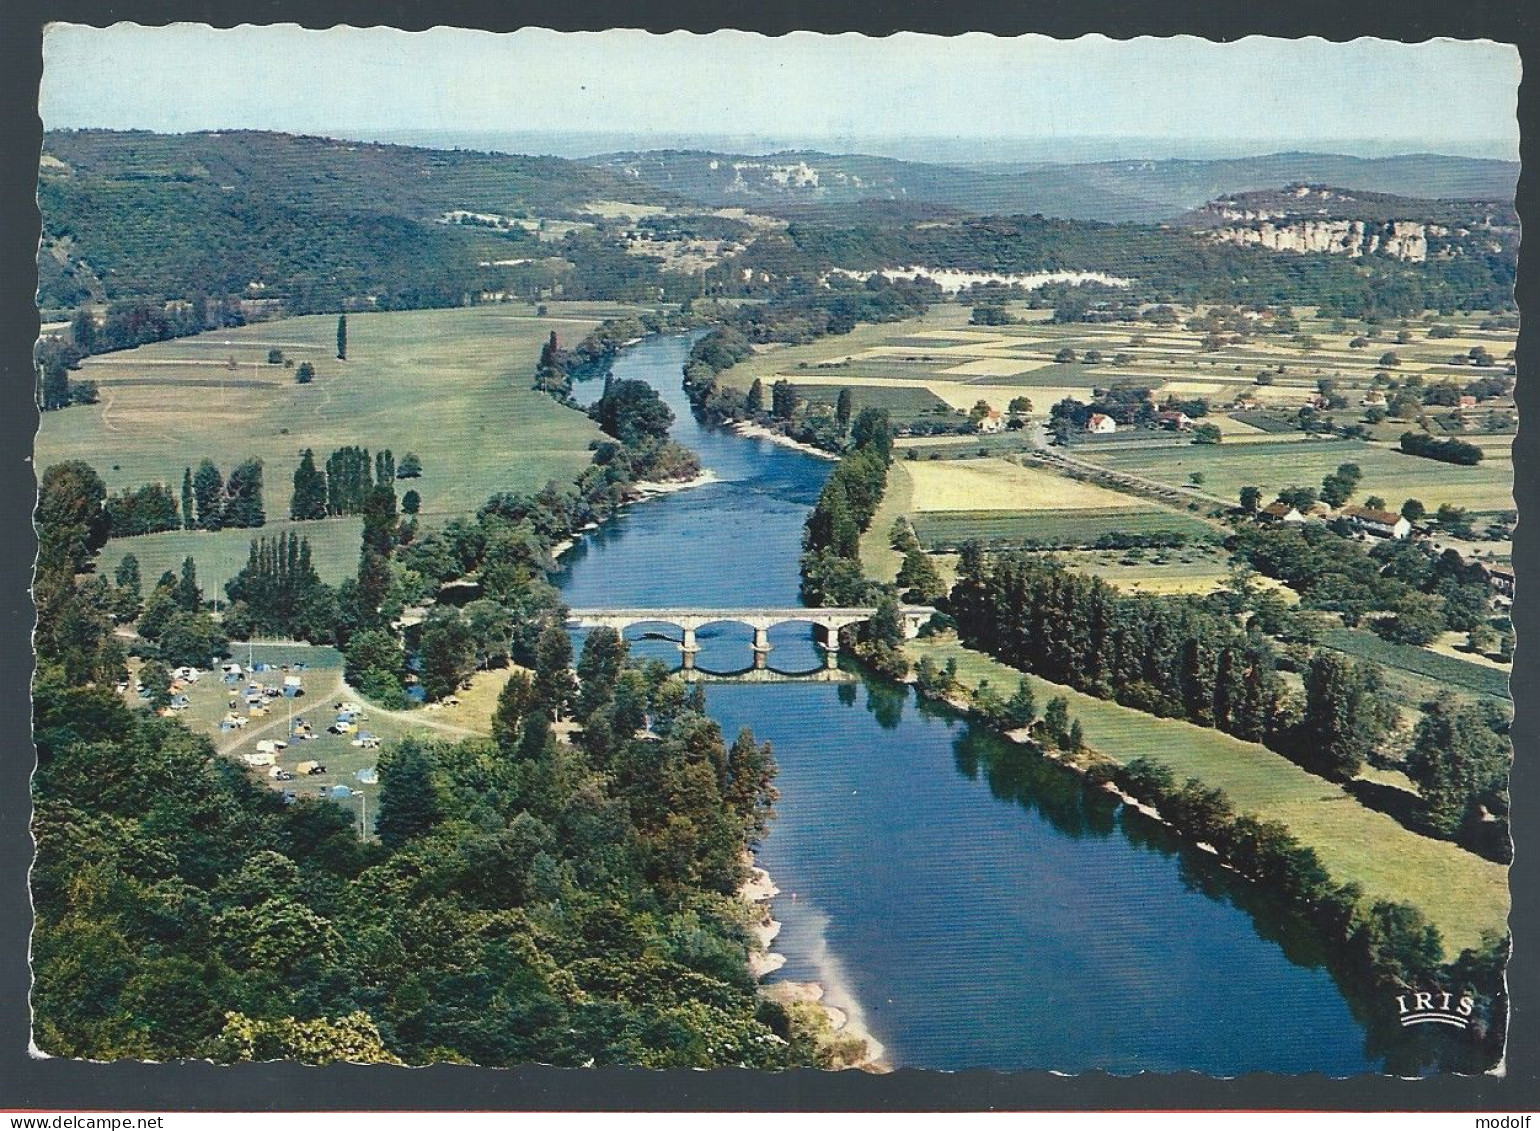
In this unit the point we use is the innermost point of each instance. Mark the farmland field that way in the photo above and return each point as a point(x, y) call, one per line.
point(1191, 570)
point(901, 404)
point(450, 385)
point(999, 485)
point(1056, 528)
point(1386, 471)
point(1461, 893)
point(1443, 670)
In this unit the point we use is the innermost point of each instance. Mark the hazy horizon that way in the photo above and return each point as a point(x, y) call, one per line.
point(1003, 152)
point(577, 145)
point(971, 98)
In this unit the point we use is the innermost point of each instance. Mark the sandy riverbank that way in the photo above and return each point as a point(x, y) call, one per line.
point(760, 432)
point(759, 889)
point(650, 488)
point(645, 489)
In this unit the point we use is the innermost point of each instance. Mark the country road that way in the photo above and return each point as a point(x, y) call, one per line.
point(1109, 478)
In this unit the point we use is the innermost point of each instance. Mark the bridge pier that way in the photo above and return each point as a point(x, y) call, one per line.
point(831, 646)
point(688, 648)
point(761, 648)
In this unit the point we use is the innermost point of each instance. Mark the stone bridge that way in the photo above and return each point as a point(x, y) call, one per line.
point(827, 622)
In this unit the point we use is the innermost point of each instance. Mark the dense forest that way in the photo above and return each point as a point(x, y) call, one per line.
point(1212, 661)
point(315, 222)
point(525, 900)
point(1168, 265)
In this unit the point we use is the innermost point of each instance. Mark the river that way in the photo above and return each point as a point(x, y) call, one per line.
point(972, 903)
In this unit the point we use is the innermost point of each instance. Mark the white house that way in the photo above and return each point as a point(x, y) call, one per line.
point(1382, 524)
point(1101, 424)
point(1281, 512)
point(991, 421)
point(1175, 418)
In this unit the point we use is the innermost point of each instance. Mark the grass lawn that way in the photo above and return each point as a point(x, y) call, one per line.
point(1460, 892)
point(450, 385)
point(474, 711)
point(334, 544)
point(1386, 471)
point(1195, 569)
point(878, 558)
point(1058, 528)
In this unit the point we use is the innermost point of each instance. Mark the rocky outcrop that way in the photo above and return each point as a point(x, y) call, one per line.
point(1314, 219)
point(1400, 239)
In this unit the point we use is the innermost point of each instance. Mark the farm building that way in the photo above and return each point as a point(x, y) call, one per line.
point(991, 421)
point(1101, 424)
point(1175, 419)
point(1382, 524)
point(1501, 579)
point(1280, 512)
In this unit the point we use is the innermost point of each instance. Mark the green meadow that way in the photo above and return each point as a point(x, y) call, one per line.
point(1461, 893)
point(453, 386)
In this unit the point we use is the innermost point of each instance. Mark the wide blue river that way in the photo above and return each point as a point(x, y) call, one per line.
point(972, 903)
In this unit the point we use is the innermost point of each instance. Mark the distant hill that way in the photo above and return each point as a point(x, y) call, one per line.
point(1184, 184)
point(321, 224)
point(1333, 220)
point(792, 180)
point(395, 180)
point(310, 219)
point(1142, 191)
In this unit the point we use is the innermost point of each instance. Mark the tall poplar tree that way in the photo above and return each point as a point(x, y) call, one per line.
point(309, 500)
point(189, 519)
point(342, 337)
point(209, 488)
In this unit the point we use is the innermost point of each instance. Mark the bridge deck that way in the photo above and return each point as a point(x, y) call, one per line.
point(796, 613)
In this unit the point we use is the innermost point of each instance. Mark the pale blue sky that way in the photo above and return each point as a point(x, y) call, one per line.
point(1443, 95)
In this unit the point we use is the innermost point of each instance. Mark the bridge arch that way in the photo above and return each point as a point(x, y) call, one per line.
point(827, 620)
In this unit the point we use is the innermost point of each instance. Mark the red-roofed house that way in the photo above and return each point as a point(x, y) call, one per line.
point(1101, 424)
